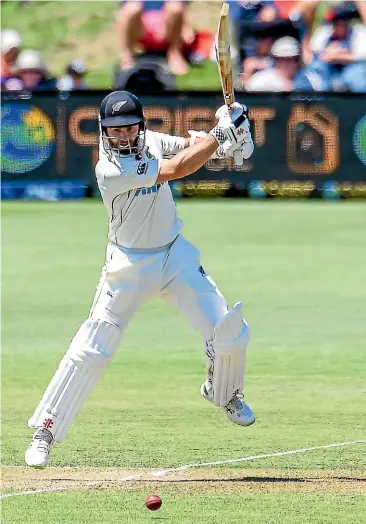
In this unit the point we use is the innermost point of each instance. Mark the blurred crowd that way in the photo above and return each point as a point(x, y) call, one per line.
point(300, 45)
point(283, 45)
point(25, 69)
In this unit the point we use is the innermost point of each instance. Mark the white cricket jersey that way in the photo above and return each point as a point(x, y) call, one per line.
point(142, 214)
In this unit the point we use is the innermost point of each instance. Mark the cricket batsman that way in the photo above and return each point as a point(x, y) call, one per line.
point(147, 256)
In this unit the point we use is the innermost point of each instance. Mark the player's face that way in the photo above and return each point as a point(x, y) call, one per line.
point(123, 136)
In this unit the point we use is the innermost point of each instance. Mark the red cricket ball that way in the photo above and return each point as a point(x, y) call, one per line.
point(153, 502)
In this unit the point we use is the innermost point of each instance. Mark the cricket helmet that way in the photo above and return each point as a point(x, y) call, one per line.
point(120, 109)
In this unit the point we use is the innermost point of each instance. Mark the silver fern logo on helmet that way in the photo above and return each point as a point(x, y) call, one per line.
point(116, 107)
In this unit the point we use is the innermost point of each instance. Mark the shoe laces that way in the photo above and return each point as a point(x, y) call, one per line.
point(236, 401)
point(45, 438)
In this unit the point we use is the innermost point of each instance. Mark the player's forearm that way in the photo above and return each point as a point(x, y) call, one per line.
point(188, 161)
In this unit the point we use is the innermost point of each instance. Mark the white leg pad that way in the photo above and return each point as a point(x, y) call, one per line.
point(78, 372)
point(228, 352)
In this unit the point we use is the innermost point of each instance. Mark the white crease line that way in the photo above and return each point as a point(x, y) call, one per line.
point(168, 471)
point(255, 457)
point(66, 488)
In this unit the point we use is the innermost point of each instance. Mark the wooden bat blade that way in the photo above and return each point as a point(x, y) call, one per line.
point(223, 55)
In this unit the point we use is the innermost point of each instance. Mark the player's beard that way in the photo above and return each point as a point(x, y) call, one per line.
point(126, 147)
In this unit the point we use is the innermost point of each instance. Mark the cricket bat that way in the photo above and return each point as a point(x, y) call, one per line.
point(223, 56)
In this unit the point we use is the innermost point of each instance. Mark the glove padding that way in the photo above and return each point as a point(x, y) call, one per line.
point(225, 150)
point(233, 132)
point(230, 124)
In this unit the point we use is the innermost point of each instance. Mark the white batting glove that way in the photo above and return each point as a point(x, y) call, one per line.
point(226, 149)
point(234, 124)
point(234, 111)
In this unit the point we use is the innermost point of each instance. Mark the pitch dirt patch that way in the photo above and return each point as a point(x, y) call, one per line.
point(220, 480)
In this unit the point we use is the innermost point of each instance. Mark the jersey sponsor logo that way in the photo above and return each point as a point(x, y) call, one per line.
point(116, 107)
point(142, 168)
point(148, 190)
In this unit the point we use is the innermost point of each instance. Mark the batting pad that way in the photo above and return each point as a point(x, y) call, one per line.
point(78, 372)
point(230, 340)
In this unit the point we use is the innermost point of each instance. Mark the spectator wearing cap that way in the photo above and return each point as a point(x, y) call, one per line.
point(257, 24)
point(253, 50)
point(32, 72)
point(339, 54)
point(11, 43)
point(281, 76)
point(74, 78)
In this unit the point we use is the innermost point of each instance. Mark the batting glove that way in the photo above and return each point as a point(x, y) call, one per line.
point(234, 124)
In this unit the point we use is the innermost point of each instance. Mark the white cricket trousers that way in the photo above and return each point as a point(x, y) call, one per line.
point(130, 278)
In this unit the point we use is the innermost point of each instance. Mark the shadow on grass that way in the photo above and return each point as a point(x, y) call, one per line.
point(269, 480)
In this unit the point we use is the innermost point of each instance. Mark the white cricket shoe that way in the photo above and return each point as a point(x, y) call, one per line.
point(239, 412)
point(236, 410)
point(38, 452)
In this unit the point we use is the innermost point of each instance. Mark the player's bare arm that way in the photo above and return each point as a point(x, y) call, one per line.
point(230, 136)
point(187, 161)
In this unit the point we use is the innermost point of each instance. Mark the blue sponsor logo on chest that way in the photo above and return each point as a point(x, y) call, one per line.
point(148, 190)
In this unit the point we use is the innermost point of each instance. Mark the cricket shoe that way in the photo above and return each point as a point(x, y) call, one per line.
point(38, 452)
point(239, 412)
point(236, 409)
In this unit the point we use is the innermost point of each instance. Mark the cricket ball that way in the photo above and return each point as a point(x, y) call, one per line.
point(153, 502)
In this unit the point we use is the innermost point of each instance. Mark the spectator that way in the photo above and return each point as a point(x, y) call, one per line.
point(339, 54)
point(145, 77)
point(258, 61)
point(254, 50)
point(259, 19)
point(285, 8)
point(302, 12)
point(10, 48)
point(159, 26)
point(257, 25)
point(74, 78)
point(285, 75)
point(32, 72)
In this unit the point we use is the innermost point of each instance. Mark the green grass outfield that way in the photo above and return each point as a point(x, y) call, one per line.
point(300, 269)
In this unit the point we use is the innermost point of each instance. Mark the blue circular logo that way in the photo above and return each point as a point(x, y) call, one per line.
point(27, 137)
point(177, 188)
point(359, 139)
point(256, 189)
point(330, 190)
